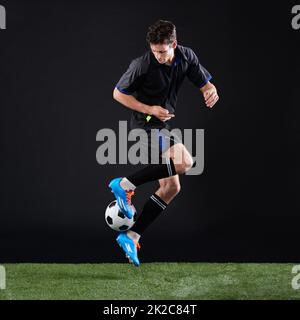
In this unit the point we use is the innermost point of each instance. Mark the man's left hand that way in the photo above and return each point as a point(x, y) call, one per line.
point(210, 94)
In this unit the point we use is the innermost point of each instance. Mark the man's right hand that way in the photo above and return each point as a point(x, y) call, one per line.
point(161, 113)
point(131, 102)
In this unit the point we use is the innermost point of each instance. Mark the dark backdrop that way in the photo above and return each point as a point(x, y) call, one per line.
point(59, 62)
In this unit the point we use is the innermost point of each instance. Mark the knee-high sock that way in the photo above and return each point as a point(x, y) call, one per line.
point(153, 172)
point(152, 209)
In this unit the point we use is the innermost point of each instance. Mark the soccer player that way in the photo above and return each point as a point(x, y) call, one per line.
point(149, 88)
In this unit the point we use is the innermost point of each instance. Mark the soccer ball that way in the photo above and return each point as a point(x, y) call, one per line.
point(116, 219)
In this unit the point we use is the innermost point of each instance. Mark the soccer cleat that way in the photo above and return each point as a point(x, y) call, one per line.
point(130, 248)
point(123, 197)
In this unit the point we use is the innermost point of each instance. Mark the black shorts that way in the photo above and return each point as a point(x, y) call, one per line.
point(155, 142)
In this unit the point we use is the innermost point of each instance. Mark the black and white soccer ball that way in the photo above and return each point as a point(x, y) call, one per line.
point(116, 219)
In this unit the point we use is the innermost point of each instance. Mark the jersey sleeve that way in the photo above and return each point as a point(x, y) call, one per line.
point(132, 78)
point(196, 73)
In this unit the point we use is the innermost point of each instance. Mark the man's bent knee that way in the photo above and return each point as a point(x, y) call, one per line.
point(182, 159)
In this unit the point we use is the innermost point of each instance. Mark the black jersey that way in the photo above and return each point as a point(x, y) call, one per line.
point(153, 83)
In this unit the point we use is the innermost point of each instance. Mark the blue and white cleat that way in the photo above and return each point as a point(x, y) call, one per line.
point(123, 197)
point(130, 247)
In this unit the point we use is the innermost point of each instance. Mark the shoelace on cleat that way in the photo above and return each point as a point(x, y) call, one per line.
point(129, 194)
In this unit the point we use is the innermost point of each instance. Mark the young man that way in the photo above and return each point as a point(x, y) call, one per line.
point(149, 87)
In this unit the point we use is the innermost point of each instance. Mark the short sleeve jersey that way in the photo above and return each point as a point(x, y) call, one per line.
point(153, 83)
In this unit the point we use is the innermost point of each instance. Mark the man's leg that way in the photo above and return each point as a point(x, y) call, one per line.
point(181, 162)
point(176, 160)
point(157, 203)
point(169, 188)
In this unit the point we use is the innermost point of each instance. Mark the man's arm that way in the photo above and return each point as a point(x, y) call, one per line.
point(210, 94)
point(132, 103)
point(199, 75)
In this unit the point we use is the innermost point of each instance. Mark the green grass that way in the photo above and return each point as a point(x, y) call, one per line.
point(151, 281)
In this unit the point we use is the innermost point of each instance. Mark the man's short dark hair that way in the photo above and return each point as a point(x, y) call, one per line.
point(161, 32)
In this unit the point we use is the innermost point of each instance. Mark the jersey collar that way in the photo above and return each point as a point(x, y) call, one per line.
point(178, 56)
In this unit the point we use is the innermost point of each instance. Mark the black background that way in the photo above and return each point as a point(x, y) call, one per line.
point(59, 62)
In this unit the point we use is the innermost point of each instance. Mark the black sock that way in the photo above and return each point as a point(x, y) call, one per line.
point(153, 172)
point(152, 209)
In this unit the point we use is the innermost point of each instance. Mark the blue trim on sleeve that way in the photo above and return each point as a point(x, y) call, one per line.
point(123, 91)
point(205, 82)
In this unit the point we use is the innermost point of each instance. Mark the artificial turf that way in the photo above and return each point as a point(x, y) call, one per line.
point(151, 281)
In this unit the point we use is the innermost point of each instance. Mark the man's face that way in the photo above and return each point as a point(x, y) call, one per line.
point(163, 52)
